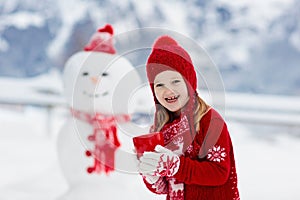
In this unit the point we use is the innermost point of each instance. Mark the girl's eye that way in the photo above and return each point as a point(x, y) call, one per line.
point(159, 85)
point(176, 81)
point(85, 73)
point(104, 74)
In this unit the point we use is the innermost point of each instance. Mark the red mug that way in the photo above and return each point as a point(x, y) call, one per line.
point(147, 142)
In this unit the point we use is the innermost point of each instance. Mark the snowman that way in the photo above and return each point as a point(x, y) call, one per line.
point(93, 149)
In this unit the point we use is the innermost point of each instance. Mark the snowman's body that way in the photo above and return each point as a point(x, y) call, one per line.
point(97, 83)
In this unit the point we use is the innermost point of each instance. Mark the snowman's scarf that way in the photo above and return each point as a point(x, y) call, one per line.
point(104, 137)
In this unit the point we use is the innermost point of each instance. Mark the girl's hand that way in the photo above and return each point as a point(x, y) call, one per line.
point(150, 179)
point(162, 162)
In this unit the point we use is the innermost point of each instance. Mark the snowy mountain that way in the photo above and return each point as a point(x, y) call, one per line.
point(255, 44)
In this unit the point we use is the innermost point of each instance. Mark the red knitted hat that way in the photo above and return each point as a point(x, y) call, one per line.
point(102, 41)
point(167, 54)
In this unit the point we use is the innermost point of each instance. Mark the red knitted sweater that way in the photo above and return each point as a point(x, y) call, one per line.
point(212, 177)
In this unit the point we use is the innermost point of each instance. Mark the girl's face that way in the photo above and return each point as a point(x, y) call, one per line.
point(171, 90)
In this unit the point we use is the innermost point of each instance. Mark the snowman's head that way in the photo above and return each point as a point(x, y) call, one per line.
point(99, 82)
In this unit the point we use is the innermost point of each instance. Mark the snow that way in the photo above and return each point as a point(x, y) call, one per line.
point(267, 167)
point(40, 90)
point(71, 12)
point(267, 159)
point(29, 164)
point(260, 13)
point(22, 20)
point(3, 45)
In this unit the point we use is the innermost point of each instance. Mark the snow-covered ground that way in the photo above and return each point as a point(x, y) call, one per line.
point(267, 156)
point(267, 159)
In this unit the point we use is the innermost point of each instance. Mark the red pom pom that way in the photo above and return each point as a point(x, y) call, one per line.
point(91, 138)
point(164, 40)
point(90, 170)
point(108, 28)
point(88, 153)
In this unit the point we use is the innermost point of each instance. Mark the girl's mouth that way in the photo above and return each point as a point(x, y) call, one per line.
point(172, 99)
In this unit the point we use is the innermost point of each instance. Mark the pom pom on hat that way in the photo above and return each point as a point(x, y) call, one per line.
point(164, 40)
point(107, 28)
point(102, 41)
point(167, 54)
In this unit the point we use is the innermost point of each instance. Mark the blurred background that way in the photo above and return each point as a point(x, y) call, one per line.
point(255, 45)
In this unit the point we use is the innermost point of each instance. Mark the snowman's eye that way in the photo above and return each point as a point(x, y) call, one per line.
point(85, 73)
point(104, 74)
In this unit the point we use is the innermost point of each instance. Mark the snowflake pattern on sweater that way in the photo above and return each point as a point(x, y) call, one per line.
point(216, 154)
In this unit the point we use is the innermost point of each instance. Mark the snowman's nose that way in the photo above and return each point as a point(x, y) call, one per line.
point(94, 79)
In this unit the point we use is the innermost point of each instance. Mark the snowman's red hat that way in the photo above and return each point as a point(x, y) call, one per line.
point(102, 41)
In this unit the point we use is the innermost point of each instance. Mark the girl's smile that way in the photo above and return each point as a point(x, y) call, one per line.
point(171, 90)
point(172, 99)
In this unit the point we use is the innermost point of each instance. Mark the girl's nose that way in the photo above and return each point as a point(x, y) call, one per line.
point(169, 90)
point(94, 79)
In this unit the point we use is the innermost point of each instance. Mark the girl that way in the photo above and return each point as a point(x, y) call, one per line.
point(197, 161)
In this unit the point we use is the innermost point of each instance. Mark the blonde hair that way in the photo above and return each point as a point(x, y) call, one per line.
point(200, 108)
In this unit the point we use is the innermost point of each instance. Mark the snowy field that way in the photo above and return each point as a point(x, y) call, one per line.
point(267, 156)
point(267, 159)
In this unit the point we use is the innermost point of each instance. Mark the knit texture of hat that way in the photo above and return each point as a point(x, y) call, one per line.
point(167, 54)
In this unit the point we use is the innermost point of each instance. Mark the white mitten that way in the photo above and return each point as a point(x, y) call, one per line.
point(150, 179)
point(162, 162)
